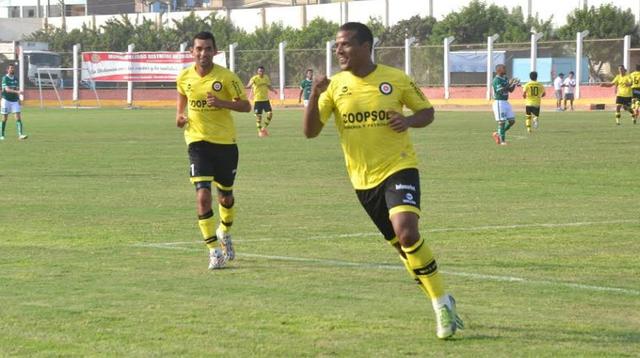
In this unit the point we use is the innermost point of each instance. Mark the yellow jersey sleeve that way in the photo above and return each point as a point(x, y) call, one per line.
point(205, 123)
point(372, 150)
point(260, 87)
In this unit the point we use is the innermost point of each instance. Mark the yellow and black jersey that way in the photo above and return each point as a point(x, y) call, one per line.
point(211, 124)
point(372, 150)
point(635, 79)
point(624, 85)
point(534, 91)
point(260, 87)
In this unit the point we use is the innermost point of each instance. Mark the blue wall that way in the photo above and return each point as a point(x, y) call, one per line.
point(546, 65)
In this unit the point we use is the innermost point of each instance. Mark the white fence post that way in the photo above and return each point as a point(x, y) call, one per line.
point(447, 79)
point(22, 71)
point(130, 49)
point(232, 56)
point(373, 48)
point(627, 48)
point(535, 36)
point(407, 54)
point(579, 41)
point(281, 56)
point(329, 57)
point(490, 40)
point(76, 74)
point(183, 47)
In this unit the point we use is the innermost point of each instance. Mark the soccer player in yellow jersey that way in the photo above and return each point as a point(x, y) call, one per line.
point(260, 85)
point(635, 90)
point(366, 101)
point(623, 93)
point(208, 93)
point(532, 93)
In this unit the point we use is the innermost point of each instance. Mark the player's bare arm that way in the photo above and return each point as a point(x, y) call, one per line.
point(249, 84)
point(237, 104)
point(312, 126)
point(422, 118)
point(181, 105)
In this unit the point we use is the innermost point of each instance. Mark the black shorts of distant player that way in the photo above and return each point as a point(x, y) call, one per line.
point(532, 110)
point(260, 106)
point(625, 101)
point(636, 93)
point(212, 162)
point(400, 192)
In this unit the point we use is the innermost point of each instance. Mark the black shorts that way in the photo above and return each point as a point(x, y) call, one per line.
point(259, 106)
point(532, 110)
point(625, 101)
point(400, 192)
point(213, 162)
point(636, 93)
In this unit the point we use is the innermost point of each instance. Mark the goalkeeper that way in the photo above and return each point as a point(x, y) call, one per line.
point(502, 111)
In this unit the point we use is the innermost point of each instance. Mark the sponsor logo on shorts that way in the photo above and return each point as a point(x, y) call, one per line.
point(385, 88)
point(405, 187)
point(216, 86)
point(408, 199)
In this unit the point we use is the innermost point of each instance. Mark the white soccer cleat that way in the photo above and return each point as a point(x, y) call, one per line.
point(1, 137)
point(535, 124)
point(23, 136)
point(226, 243)
point(447, 320)
point(216, 259)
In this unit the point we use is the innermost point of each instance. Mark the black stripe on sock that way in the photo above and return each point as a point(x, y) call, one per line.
point(206, 215)
point(227, 224)
point(416, 249)
point(211, 240)
point(427, 270)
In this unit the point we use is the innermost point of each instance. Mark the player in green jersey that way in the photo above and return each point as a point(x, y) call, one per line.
point(305, 87)
point(10, 102)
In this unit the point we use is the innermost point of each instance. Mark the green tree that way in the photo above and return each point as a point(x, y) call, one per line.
point(604, 22)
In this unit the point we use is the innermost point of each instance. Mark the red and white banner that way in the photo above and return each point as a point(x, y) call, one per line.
point(138, 66)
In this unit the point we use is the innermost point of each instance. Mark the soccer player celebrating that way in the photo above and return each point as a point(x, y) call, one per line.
point(260, 85)
point(367, 101)
point(635, 90)
point(211, 92)
point(532, 93)
point(10, 102)
point(623, 93)
point(305, 87)
point(502, 111)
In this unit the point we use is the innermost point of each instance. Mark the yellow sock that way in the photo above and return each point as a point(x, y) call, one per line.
point(424, 266)
point(207, 225)
point(618, 117)
point(268, 119)
point(527, 122)
point(259, 121)
point(393, 242)
point(226, 217)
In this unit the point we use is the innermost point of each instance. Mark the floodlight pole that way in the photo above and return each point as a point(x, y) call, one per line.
point(627, 48)
point(535, 36)
point(373, 48)
point(579, 39)
point(329, 57)
point(76, 73)
point(407, 54)
point(130, 49)
point(490, 40)
point(447, 79)
point(232, 56)
point(281, 56)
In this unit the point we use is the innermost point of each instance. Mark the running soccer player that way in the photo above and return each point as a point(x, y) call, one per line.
point(624, 94)
point(635, 90)
point(305, 87)
point(502, 111)
point(10, 102)
point(532, 93)
point(209, 93)
point(260, 85)
point(366, 100)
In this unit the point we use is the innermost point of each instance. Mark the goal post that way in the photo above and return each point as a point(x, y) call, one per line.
point(56, 84)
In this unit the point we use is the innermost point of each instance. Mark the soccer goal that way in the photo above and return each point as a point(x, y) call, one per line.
point(57, 85)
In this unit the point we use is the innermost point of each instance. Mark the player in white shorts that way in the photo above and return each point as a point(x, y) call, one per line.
point(502, 111)
point(10, 102)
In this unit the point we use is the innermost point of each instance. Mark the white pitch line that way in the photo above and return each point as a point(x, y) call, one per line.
point(172, 246)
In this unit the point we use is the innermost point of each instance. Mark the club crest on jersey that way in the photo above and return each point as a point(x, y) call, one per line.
point(216, 86)
point(386, 88)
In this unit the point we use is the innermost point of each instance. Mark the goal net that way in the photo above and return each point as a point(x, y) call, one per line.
point(57, 88)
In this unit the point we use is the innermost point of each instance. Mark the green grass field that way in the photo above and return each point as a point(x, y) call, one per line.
point(100, 254)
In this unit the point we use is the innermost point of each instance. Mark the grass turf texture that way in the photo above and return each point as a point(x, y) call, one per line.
point(88, 195)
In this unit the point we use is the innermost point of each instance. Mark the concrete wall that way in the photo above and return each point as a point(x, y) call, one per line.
point(12, 29)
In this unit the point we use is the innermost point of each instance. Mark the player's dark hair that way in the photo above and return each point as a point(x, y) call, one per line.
point(499, 65)
point(260, 68)
point(638, 67)
point(533, 75)
point(362, 33)
point(205, 35)
point(571, 73)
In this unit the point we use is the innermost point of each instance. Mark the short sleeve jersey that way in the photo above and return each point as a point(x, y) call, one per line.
point(624, 85)
point(500, 88)
point(534, 91)
point(260, 87)
point(210, 124)
point(372, 150)
point(12, 83)
point(569, 85)
point(305, 86)
point(635, 78)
